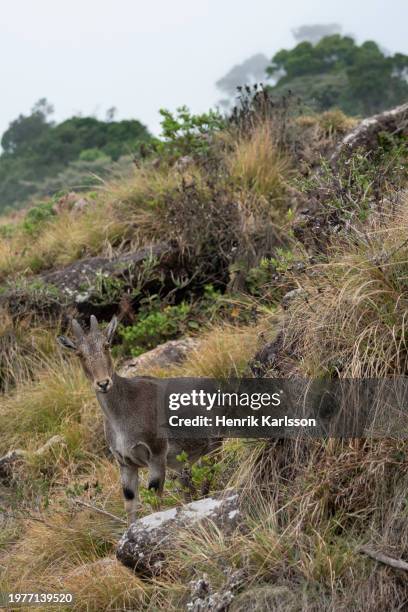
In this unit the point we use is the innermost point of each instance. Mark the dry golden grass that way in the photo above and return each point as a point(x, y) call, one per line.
point(300, 544)
point(51, 404)
point(70, 551)
point(24, 345)
point(129, 209)
point(106, 585)
point(351, 318)
point(224, 352)
point(61, 241)
point(257, 164)
point(330, 123)
point(307, 510)
point(307, 506)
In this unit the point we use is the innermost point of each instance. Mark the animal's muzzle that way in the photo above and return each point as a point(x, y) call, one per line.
point(104, 385)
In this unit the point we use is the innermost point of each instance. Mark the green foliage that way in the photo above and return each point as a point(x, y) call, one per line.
point(35, 148)
point(153, 327)
point(259, 276)
point(37, 216)
point(91, 155)
point(158, 322)
point(283, 260)
point(23, 132)
point(186, 134)
point(203, 473)
point(106, 289)
point(337, 72)
point(7, 230)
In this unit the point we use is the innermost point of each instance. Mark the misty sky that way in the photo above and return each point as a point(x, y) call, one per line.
point(88, 55)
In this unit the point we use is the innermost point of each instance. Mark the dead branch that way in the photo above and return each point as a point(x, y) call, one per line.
point(80, 502)
point(14, 455)
point(382, 558)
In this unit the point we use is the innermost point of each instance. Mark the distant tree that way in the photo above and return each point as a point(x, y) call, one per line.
point(338, 72)
point(25, 130)
point(35, 149)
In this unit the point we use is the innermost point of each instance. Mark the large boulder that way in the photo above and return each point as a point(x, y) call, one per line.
point(143, 547)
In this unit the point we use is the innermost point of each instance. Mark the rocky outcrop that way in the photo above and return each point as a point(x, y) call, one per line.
point(365, 134)
point(143, 547)
point(78, 280)
point(165, 355)
point(93, 285)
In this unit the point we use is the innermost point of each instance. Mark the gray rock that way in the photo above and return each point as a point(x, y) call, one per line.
point(165, 355)
point(78, 278)
point(79, 284)
point(365, 134)
point(203, 599)
point(143, 547)
point(291, 295)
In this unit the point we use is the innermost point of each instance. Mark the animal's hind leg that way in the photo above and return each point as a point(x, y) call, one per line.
point(157, 473)
point(130, 485)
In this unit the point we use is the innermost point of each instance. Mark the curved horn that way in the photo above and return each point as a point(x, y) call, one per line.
point(77, 329)
point(94, 323)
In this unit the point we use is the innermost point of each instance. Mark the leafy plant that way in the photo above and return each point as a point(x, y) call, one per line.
point(154, 327)
point(37, 216)
point(186, 134)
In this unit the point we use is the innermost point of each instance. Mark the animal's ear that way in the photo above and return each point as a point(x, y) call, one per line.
point(110, 330)
point(94, 324)
point(66, 343)
point(77, 329)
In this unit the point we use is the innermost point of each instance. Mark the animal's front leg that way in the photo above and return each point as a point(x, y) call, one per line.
point(130, 486)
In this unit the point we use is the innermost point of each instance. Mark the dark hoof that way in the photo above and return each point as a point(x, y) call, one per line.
point(128, 493)
point(154, 484)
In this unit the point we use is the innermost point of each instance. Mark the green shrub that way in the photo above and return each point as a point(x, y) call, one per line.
point(155, 327)
point(186, 134)
point(37, 216)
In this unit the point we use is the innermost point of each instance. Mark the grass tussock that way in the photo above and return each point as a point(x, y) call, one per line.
point(327, 124)
point(350, 317)
point(224, 352)
point(24, 346)
point(259, 165)
point(50, 405)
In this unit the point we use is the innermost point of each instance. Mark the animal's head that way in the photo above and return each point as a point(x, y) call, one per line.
point(93, 349)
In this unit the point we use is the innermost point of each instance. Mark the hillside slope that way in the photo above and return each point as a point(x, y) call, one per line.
point(279, 243)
